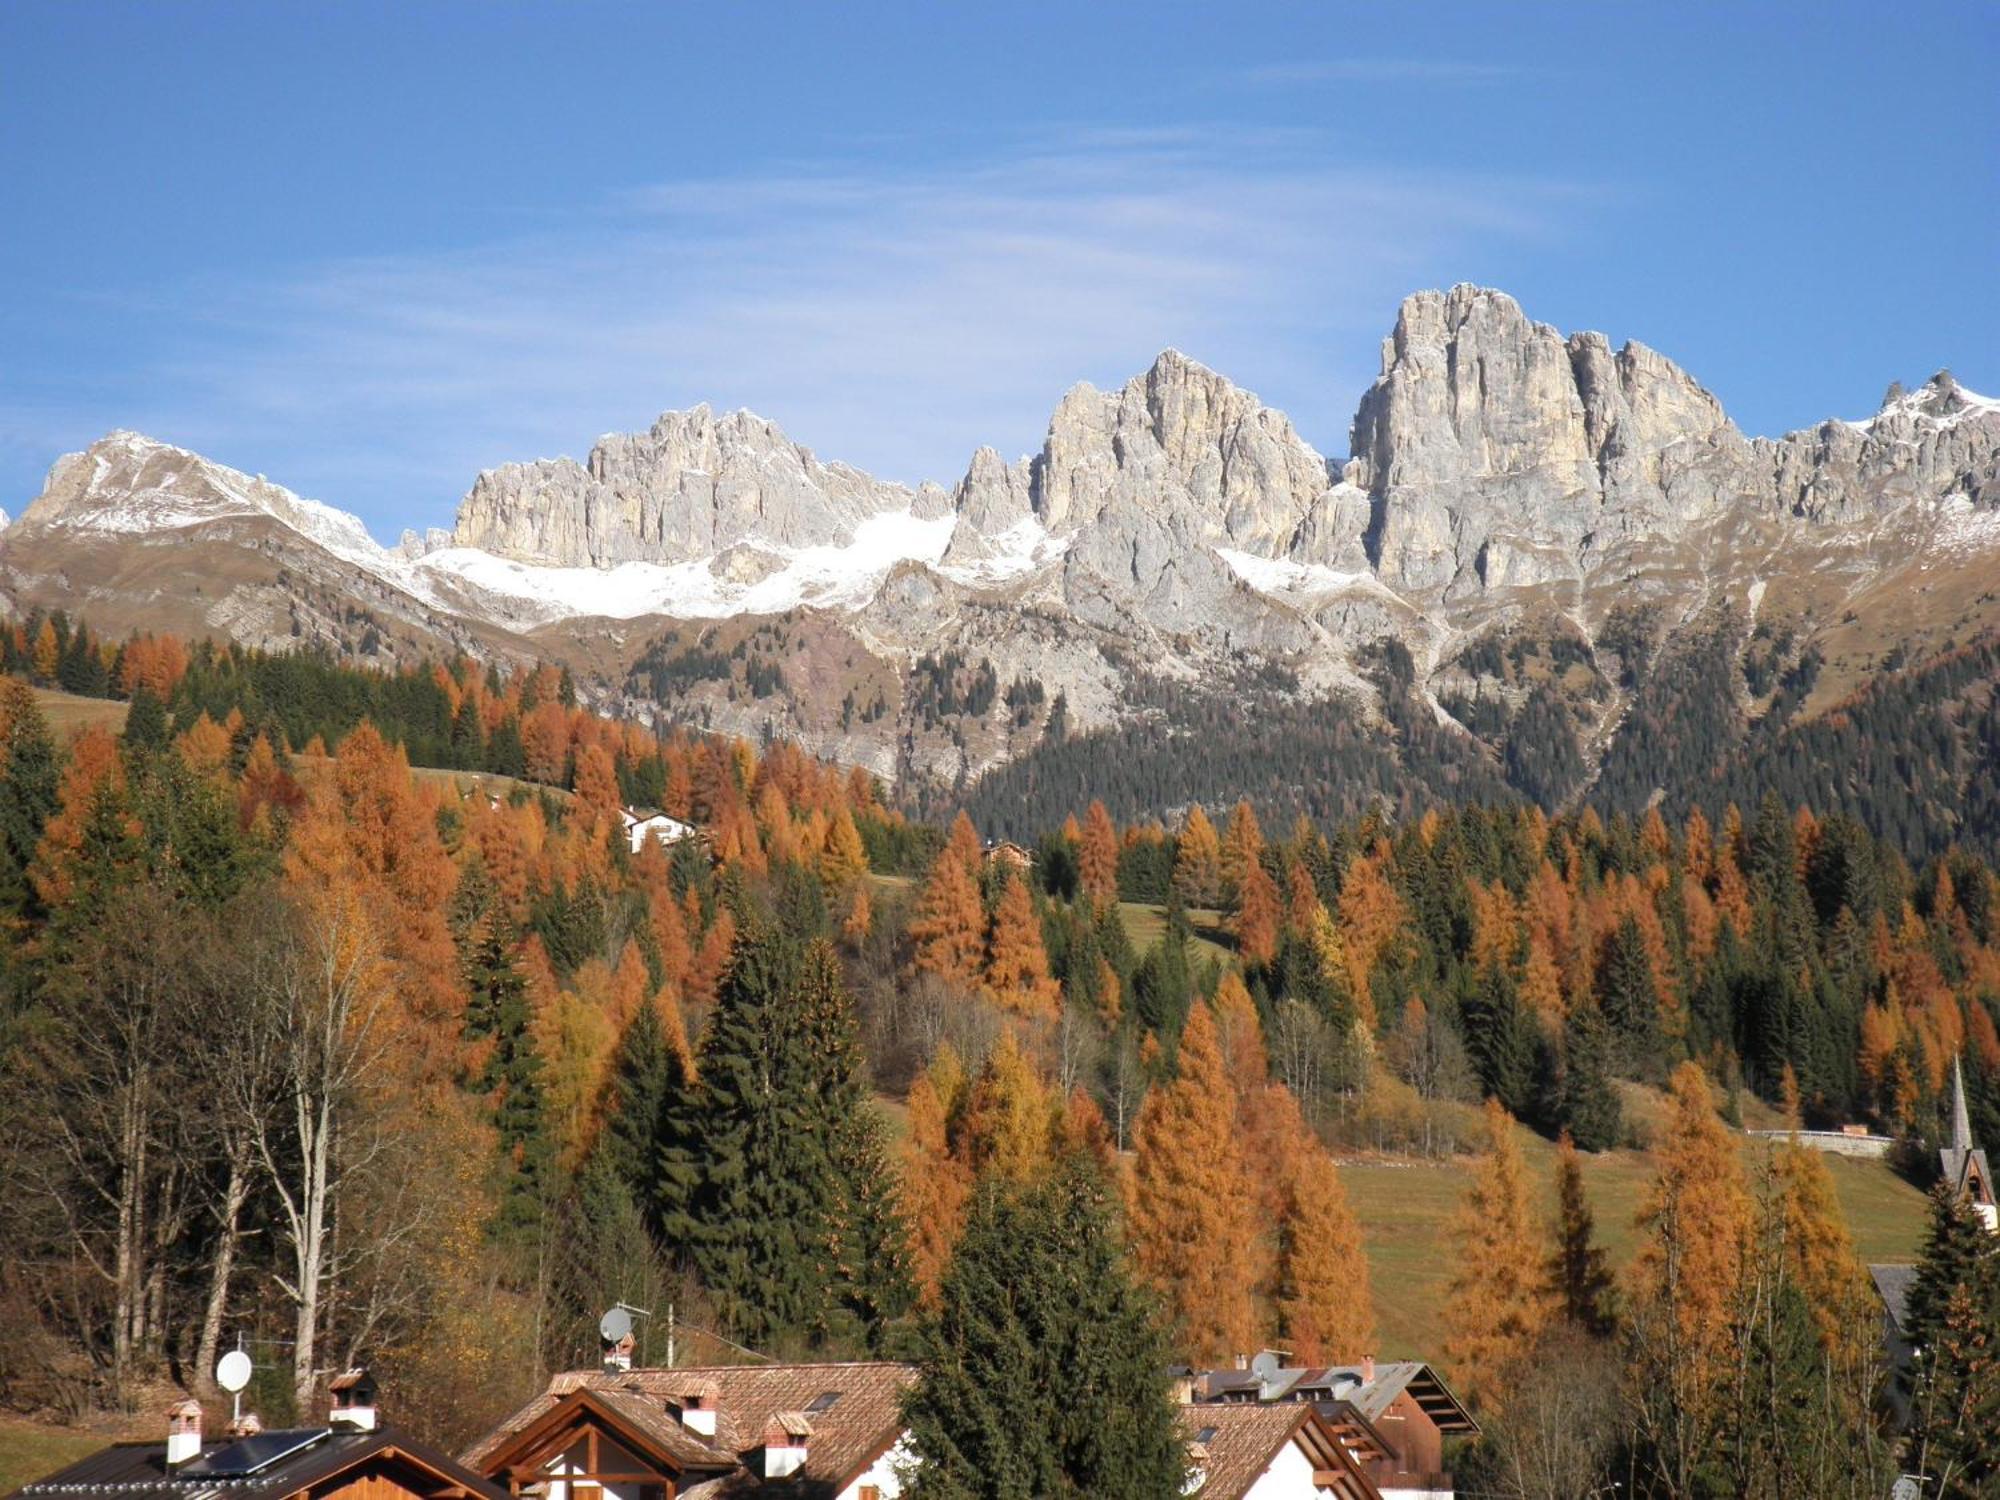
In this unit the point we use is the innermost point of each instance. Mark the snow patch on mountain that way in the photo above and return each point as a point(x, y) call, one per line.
point(827, 577)
point(1296, 582)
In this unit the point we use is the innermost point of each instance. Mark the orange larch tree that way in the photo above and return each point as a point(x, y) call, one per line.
point(950, 927)
point(935, 1184)
point(1325, 1310)
point(1257, 916)
point(1193, 1215)
point(1017, 966)
point(1500, 1299)
point(1097, 858)
point(1198, 861)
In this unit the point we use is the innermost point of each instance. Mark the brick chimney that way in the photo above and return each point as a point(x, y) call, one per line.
point(785, 1439)
point(353, 1401)
point(618, 1357)
point(1367, 1369)
point(700, 1404)
point(183, 1432)
point(247, 1425)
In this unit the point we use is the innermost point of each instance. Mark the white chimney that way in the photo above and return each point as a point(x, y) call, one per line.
point(353, 1401)
point(700, 1403)
point(183, 1432)
point(785, 1438)
point(1367, 1369)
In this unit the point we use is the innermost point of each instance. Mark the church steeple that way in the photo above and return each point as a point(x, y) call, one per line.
point(1961, 1119)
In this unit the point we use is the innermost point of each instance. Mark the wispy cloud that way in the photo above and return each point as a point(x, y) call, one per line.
point(1435, 70)
point(893, 319)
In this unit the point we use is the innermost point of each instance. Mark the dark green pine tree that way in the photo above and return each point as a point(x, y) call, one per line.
point(497, 1011)
point(647, 1080)
point(1625, 993)
point(145, 722)
point(746, 1172)
point(1044, 1371)
point(1958, 1251)
point(1502, 1040)
point(505, 755)
point(866, 1238)
point(1579, 1270)
point(32, 773)
point(1587, 1105)
point(1163, 985)
point(1954, 1324)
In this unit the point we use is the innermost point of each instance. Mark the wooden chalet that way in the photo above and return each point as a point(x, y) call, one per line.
point(1392, 1418)
point(1010, 855)
point(351, 1458)
point(807, 1431)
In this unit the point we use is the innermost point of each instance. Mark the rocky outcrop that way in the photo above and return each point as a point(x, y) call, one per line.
point(1498, 453)
point(691, 486)
point(1935, 441)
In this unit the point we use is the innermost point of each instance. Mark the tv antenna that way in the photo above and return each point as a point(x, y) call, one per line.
point(232, 1373)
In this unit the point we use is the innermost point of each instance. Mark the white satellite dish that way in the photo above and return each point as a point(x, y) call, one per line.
point(232, 1371)
point(615, 1325)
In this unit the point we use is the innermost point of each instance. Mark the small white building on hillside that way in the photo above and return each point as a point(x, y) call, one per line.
point(642, 826)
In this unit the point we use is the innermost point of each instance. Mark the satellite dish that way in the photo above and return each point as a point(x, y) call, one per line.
point(615, 1326)
point(232, 1371)
point(1265, 1365)
point(1909, 1487)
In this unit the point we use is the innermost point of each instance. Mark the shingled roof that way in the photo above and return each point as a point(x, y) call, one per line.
point(854, 1411)
point(1232, 1446)
point(297, 1460)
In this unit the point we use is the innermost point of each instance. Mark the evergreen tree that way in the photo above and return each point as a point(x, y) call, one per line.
point(1958, 1251)
point(145, 722)
point(29, 775)
point(1627, 996)
point(1503, 1040)
point(648, 1078)
point(1044, 1372)
point(1579, 1271)
point(1163, 983)
point(1587, 1104)
point(497, 1014)
point(772, 1175)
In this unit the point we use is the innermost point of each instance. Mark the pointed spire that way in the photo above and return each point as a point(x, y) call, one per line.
point(1961, 1121)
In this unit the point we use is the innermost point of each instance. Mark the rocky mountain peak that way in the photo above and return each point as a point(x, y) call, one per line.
point(690, 486)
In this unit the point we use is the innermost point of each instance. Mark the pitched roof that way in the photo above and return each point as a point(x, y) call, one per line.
point(1892, 1285)
point(1344, 1383)
point(301, 1458)
point(1234, 1445)
point(854, 1408)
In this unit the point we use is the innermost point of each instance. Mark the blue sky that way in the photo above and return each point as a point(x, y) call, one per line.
point(368, 249)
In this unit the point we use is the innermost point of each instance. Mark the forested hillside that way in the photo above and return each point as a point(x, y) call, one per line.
point(301, 1046)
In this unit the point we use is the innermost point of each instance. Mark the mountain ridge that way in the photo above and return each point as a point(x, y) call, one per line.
point(1505, 479)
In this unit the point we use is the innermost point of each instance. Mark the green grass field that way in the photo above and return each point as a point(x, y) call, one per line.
point(68, 713)
point(1406, 1207)
point(1144, 924)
